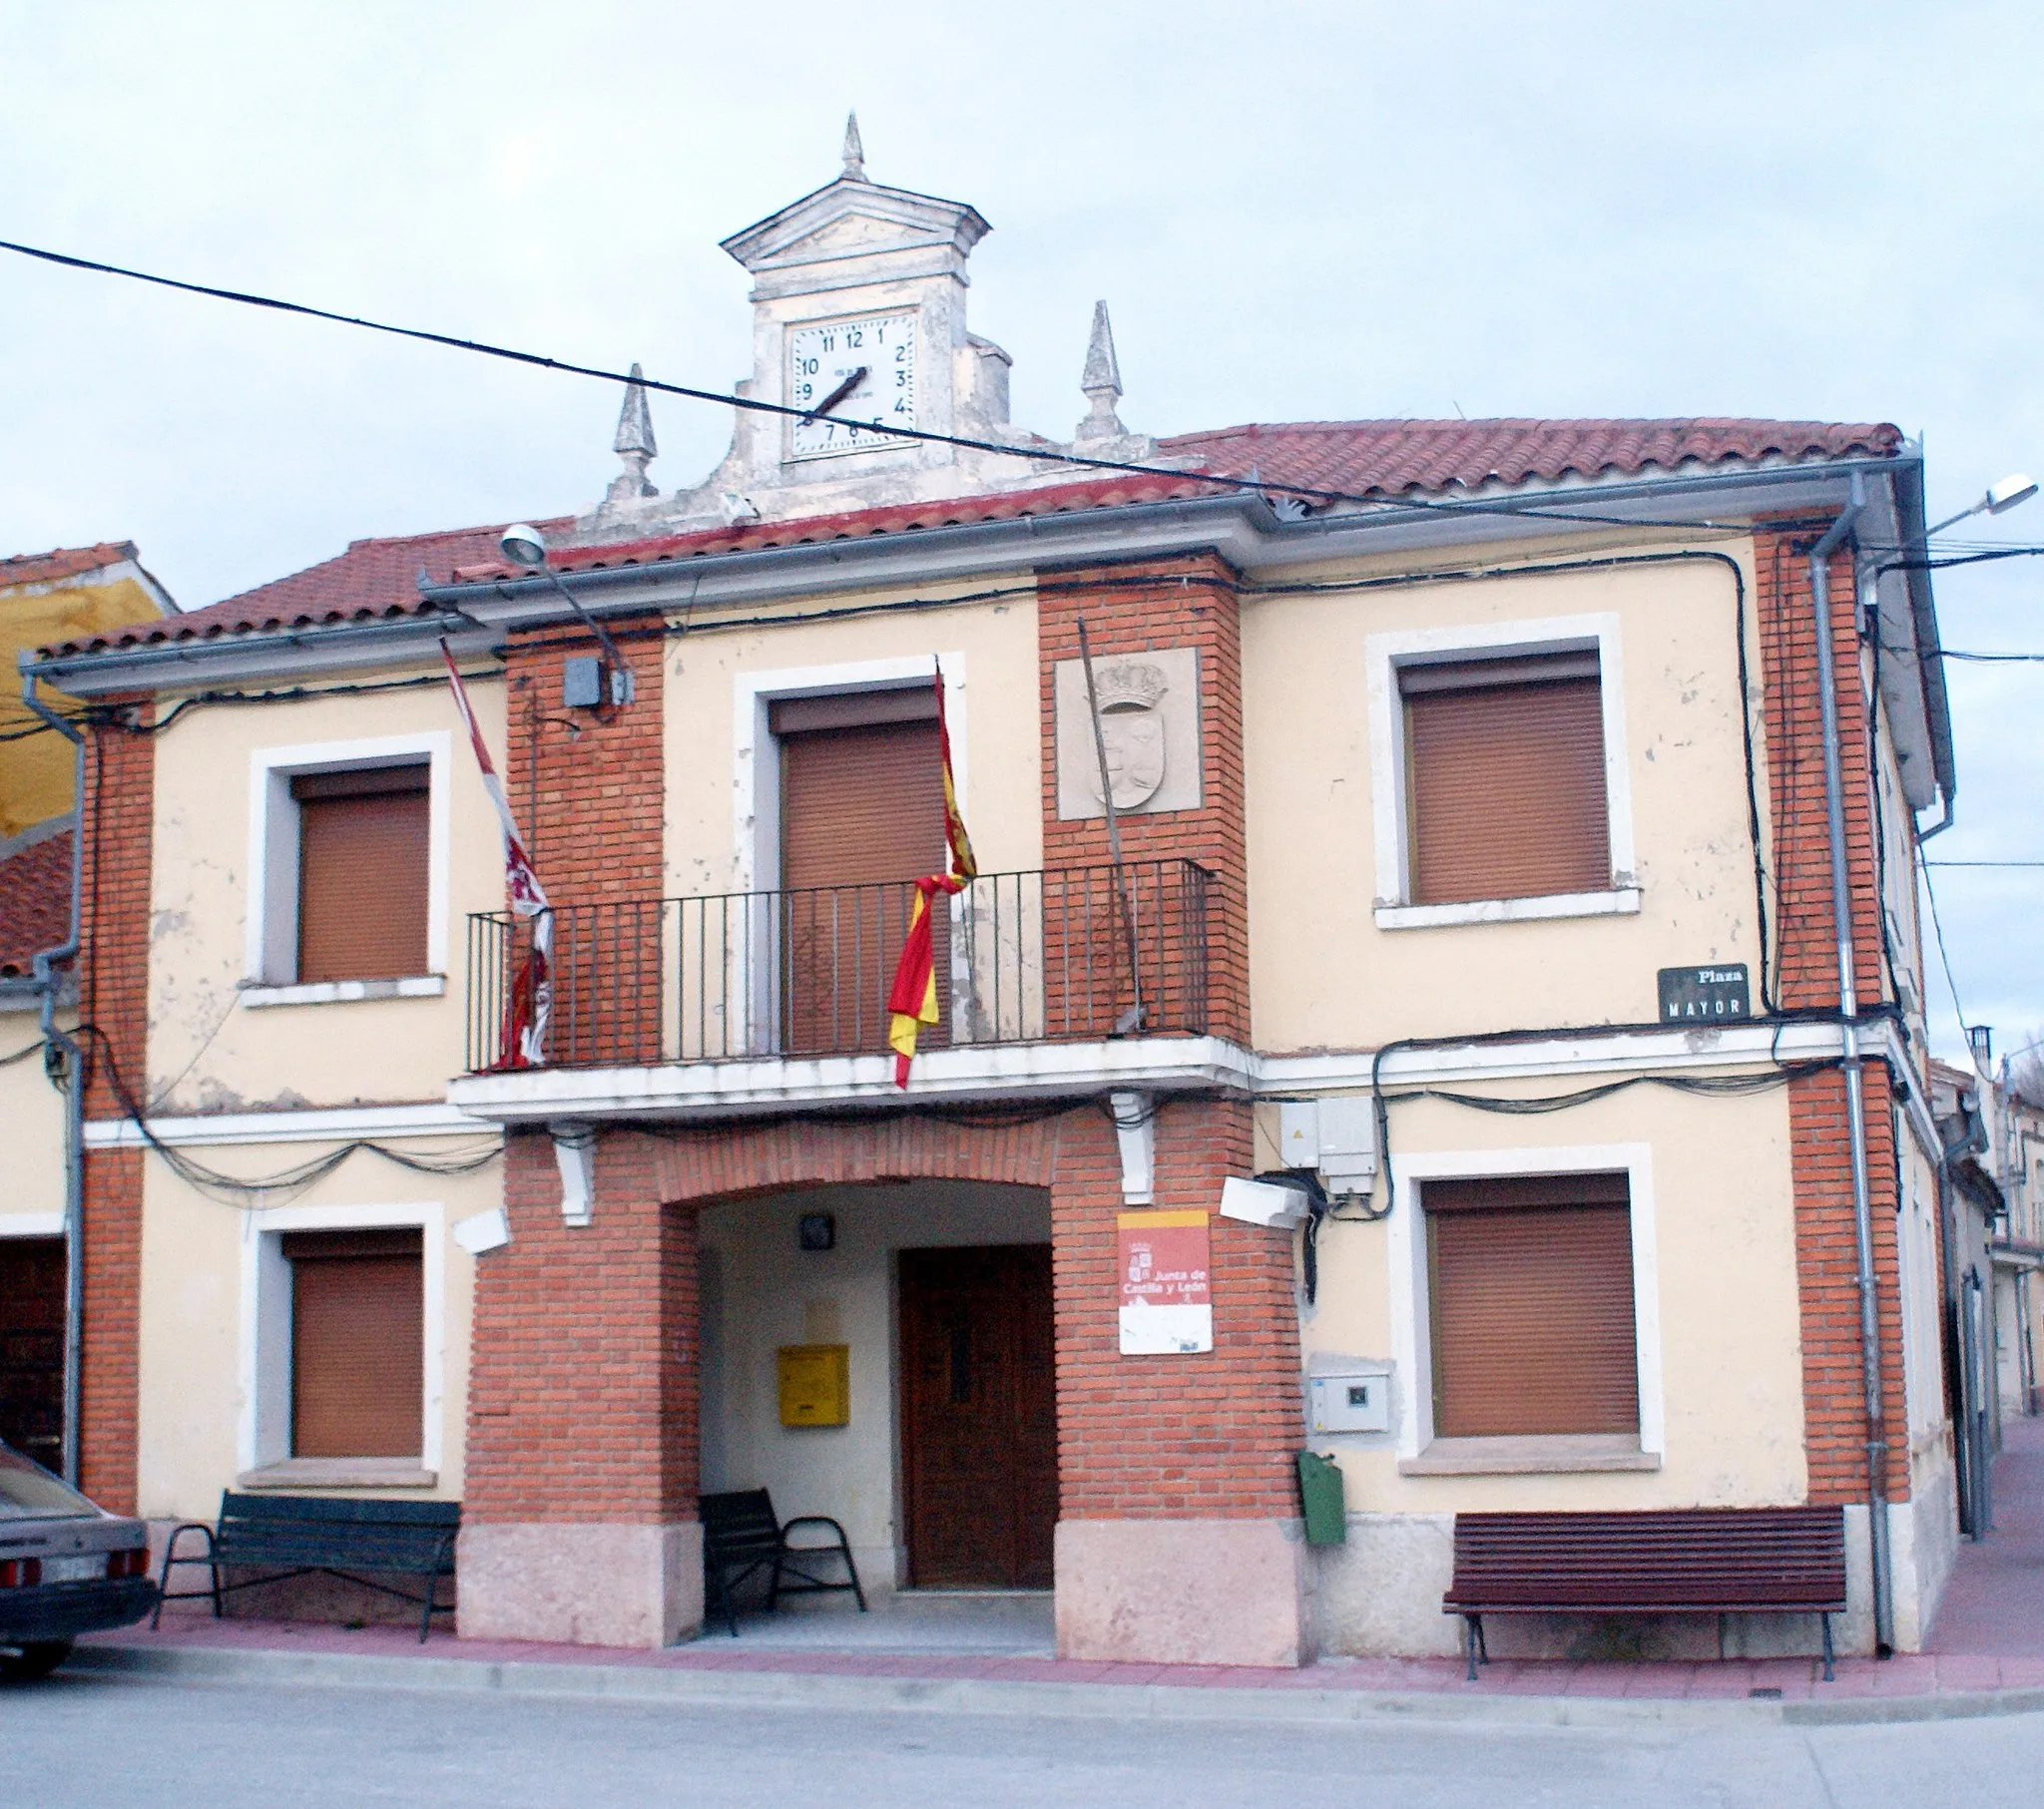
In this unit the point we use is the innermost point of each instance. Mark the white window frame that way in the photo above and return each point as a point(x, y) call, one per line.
point(271, 951)
point(32, 1225)
point(1385, 656)
point(1411, 1317)
point(264, 1430)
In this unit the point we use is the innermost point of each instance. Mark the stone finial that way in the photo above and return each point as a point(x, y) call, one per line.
point(633, 444)
point(855, 150)
point(1101, 382)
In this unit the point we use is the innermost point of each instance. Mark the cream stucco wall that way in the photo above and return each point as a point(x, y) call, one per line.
point(720, 772)
point(200, 1363)
point(32, 1111)
point(1326, 976)
point(210, 1049)
point(1721, 1323)
point(761, 1291)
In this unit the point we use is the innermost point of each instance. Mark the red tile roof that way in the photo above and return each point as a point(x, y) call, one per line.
point(378, 578)
point(35, 902)
point(1395, 458)
point(64, 561)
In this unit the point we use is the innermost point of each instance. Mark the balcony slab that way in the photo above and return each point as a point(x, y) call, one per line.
point(713, 1090)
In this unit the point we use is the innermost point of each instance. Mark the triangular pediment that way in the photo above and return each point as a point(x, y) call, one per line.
point(850, 217)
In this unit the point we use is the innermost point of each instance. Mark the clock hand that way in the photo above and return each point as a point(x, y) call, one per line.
point(840, 393)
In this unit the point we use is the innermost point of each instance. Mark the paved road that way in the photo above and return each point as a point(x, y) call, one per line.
point(115, 1742)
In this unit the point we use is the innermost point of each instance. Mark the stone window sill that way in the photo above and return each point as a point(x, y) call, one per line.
point(340, 1473)
point(344, 992)
point(1551, 1456)
point(1621, 901)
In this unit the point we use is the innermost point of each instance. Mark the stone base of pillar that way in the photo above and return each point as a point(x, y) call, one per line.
point(1182, 1592)
point(580, 1584)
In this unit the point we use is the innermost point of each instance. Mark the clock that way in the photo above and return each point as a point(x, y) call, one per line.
point(856, 373)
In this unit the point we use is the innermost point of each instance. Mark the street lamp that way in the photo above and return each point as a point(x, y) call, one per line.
point(525, 547)
point(1999, 499)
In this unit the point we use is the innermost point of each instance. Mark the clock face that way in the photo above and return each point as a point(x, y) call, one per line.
point(862, 372)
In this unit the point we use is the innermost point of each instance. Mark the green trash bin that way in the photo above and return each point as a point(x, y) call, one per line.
point(1321, 1492)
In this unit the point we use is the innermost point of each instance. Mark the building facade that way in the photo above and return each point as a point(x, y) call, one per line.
point(1431, 816)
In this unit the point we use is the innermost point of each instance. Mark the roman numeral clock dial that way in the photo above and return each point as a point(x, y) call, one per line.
point(854, 374)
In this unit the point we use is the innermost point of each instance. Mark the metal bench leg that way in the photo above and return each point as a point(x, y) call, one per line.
point(1472, 1632)
point(1831, 1676)
point(211, 1561)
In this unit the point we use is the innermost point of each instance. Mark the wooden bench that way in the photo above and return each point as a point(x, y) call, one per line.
point(305, 1535)
point(1674, 1560)
point(741, 1537)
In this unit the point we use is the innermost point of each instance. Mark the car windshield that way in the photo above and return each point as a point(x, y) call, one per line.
point(29, 1492)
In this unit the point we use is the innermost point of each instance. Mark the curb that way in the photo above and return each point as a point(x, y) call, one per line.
point(986, 1695)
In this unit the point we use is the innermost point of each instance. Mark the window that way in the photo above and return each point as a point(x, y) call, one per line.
point(357, 1343)
point(363, 840)
point(1530, 1294)
point(1505, 779)
point(349, 870)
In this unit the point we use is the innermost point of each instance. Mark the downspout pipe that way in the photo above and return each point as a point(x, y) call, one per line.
point(1840, 532)
point(48, 983)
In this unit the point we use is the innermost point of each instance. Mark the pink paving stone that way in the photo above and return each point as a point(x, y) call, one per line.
point(1661, 1680)
point(1967, 1672)
point(1731, 1679)
point(2022, 1674)
point(1604, 1679)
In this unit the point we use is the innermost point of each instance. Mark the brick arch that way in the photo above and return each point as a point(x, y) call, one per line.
point(735, 1159)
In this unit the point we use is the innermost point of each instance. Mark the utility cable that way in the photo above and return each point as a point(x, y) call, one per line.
point(1041, 452)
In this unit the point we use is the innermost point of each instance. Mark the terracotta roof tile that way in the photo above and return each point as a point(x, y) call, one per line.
point(35, 902)
point(63, 562)
point(378, 578)
point(1396, 458)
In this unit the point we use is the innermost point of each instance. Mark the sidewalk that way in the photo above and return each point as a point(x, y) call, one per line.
point(1986, 1656)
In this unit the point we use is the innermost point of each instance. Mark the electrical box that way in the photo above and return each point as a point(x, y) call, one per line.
point(815, 1384)
point(1298, 1133)
point(1348, 1144)
point(1355, 1400)
point(582, 681)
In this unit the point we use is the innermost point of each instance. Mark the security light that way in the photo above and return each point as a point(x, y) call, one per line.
point(2014, 489)
point(523, 545)
point(2000, 498)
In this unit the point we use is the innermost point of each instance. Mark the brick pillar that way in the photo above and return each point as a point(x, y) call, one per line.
point(116, 824)
point(1835, 1414)
point(579, 1518)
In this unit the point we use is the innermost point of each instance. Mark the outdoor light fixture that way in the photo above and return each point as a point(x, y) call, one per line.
point(2017, 487)
point(526, 547)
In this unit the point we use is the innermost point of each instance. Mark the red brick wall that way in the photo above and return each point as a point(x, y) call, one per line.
point(120, 810)
point(1132, 608)
point(583, 1358)
point(1821, 1160)
point(113, 981)
point(596, 837)
point(1209, 1436)
point(113, 1297)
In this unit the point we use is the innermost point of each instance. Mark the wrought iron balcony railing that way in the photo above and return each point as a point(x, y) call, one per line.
point(1069, 953)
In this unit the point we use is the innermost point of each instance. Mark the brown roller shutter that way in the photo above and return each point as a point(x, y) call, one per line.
point(357, 1343)
point(1532, 1307)
point(863, 816)
point(363, 861)
point(1506, 785)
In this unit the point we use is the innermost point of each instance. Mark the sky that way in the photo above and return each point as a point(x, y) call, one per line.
point(1296, 212)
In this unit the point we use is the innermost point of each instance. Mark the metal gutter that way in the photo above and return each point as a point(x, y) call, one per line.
point(1840, 532)
point(49, 985)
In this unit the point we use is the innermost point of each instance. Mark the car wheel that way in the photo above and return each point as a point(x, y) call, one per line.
point(25, 1663)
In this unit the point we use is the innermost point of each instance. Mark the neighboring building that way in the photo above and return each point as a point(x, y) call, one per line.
point(59, 594)
point(1428, 759)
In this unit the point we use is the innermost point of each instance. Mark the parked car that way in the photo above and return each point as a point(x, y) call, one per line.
point(66, 1568)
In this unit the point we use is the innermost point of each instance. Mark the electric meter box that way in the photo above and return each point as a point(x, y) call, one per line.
point(1353, 1400)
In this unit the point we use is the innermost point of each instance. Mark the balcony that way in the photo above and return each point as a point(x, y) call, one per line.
point(798, 981)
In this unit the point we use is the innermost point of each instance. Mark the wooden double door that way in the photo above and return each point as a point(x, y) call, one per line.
point(979, 1416)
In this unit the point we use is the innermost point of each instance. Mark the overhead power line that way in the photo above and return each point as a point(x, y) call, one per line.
point(1040, 453)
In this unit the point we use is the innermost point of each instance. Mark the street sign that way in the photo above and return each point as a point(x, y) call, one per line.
point(1705, 995)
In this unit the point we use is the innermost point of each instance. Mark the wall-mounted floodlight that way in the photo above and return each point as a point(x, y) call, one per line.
point(526, 547)
point(2001, 497)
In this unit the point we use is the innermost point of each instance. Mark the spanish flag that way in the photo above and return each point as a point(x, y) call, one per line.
point(912, 1000)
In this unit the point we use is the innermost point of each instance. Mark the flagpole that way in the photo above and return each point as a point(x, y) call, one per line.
point(1132, 1018)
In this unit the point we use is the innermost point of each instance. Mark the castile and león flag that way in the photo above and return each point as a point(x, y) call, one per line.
point(912, 999)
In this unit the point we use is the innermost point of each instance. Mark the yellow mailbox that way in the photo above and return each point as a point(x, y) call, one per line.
point(815, 1384)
